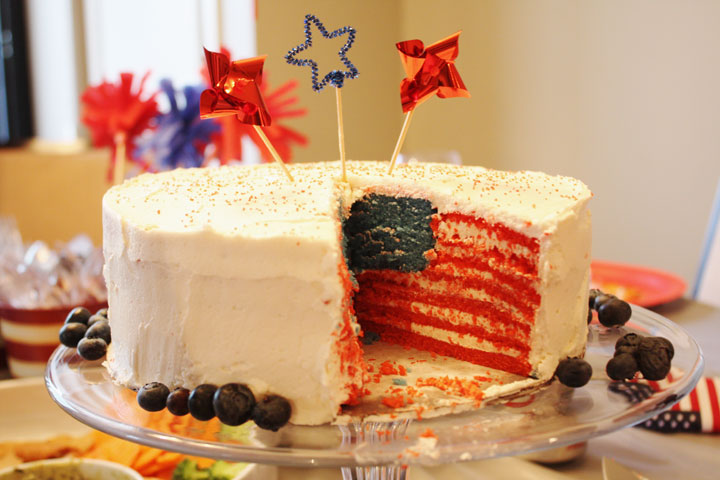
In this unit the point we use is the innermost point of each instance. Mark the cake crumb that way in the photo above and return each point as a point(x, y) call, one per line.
point(394, 401)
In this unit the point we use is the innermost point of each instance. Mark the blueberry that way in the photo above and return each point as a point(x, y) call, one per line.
point(200, 402)
point(272, 412)
point(658, 343)
point(654, 355)
point(233, 403)
point(177, 402)
point(574, 372)
point(589, 317)
point(96, 318)
point(152, 396)
point(630, 340)
point(594, 293)
point(667, 344)
point(99, 329)
point(103, 312)
point(92, 348)
point(72, 333)
point(78, 315)
point(654, 365)
point(614, 312)
point(621, 367)
point(602, 298)
point(625, 349)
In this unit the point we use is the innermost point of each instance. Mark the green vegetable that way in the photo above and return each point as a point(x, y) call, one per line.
point(225, 471)
point(188, 470)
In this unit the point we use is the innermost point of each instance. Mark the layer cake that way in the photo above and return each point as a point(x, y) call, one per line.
point(236, 274)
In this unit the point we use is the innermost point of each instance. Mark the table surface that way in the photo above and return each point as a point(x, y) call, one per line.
point(656, 455)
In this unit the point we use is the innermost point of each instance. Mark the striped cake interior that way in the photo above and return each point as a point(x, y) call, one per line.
point(471, 294)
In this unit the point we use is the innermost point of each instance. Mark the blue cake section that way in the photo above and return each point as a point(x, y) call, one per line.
point(389, 233)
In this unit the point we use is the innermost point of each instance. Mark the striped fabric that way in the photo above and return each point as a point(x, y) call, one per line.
point(698, 411)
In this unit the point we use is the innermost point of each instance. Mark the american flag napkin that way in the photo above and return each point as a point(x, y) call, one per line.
point(699, 411)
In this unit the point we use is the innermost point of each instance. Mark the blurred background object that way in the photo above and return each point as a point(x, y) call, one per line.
point(15, 119)
point(38, 287)
point(434, 156)
point(707, 281)
point(54, 74)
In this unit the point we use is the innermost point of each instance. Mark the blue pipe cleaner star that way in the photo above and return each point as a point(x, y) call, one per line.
point(336, 78)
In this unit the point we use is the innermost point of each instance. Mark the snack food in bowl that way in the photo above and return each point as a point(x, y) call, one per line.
point(69, 469)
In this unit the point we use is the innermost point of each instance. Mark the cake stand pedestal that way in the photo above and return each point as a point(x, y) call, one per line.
point(552, 417)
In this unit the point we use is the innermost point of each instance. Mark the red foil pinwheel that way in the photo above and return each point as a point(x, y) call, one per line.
point(235, 89)
point(430, 70)
point(116, 115)
point(280, 104)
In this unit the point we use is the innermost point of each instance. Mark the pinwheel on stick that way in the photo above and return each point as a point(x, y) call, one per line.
point(281, 104)
point(235, 90)
point(430, 71)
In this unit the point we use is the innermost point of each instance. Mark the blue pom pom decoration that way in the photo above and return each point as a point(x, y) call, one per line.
point(179, 134)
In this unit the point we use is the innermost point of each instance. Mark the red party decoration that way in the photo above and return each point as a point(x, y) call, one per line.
point(430, 70)
point(235, 89)
point(279, 104)
point(115, 113)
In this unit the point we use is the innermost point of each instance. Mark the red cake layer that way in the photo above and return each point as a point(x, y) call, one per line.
point(481, 283)
point(377, 292)
point(403, 318)
point(499, 361)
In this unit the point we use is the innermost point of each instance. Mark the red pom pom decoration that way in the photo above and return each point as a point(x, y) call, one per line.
point(116, 114)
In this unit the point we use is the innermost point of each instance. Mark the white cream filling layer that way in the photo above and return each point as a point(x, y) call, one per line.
point(480, 239)
point(467, 341)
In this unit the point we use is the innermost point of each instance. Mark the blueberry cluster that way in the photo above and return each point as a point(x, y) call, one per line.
point(233, 404)
point(612, 312)
point(573, 372)
point(650, 355)
point(89, 333)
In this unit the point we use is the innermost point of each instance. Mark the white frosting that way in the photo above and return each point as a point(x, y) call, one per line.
point(231, 274)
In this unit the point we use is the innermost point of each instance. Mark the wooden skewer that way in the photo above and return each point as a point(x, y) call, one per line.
point(273, 152)
point(120, 154)
point(341, 135)
point(401, 140)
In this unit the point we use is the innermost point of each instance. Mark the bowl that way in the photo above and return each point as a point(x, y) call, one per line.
point(69, 469)
point(31, 336)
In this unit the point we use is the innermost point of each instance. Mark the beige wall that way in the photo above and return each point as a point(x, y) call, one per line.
point(623, 94)
point(53, 197)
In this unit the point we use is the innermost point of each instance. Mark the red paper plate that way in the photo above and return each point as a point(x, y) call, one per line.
point(642, 286)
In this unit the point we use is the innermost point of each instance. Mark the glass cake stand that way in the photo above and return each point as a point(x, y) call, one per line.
point(554, 416)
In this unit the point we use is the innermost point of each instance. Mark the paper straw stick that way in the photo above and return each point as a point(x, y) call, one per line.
point(401, 140)
point(120, 154)
point(272, 150)
point(341, 135)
